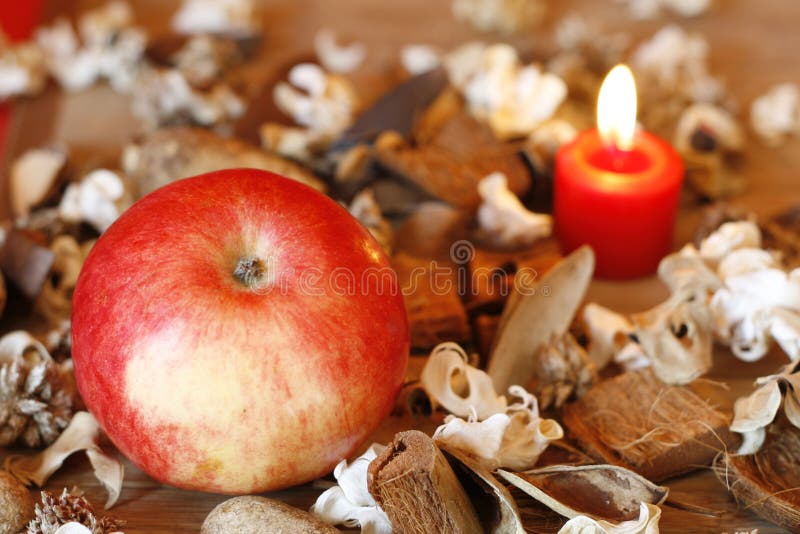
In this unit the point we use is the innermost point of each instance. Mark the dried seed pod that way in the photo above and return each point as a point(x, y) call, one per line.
point(253, 515)
point(606, 492)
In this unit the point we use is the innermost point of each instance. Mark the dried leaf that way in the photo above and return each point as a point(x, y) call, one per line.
point(82, 434)
point(602, 492)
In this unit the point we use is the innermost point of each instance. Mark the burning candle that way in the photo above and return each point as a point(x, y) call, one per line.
point(617, 188)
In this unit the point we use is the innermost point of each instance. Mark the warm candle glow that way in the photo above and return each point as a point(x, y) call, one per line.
point(616, 108)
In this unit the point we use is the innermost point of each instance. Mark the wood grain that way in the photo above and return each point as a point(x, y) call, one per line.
point(753, 45)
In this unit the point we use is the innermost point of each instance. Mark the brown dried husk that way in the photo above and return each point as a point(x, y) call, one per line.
point(767, 482)
point(603, 492)
point(639, 422)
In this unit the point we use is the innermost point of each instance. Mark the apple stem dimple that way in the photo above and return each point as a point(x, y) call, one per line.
point(251, 272)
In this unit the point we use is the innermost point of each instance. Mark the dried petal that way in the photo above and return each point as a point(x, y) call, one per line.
point(335, 57)
point(729, 237)
point(757, 410)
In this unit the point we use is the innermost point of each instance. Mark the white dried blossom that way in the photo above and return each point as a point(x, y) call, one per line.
point(464, 62)
point(729, 237)
point(418, 58)
point(322, 102)
point(776, 114)
point(504, 16)
point(511, 98)
point(109, 48)
point(647, 523)
point(93, 200)
point(231, 17)
point(336, 57)
point(164, 97)
point(350, 503)
point(648, 9)
point(503, 218)
point(678, 60)
point(721, 125)
point(512, 440)
point(22, 69)
point(609, 339)
point(204, 58)
point(752, 414)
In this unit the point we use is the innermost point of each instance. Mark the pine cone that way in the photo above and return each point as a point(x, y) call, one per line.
point(56, 511)
point(36, 393)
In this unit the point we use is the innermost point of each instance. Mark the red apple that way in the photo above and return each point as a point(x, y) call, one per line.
point(238, 332)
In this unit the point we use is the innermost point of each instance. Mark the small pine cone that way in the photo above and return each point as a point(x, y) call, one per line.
point(36, 393)
point(56, 511)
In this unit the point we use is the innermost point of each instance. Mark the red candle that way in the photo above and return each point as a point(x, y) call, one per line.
point(617, 189)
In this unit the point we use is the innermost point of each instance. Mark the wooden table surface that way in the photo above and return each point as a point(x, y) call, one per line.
point(753, 45)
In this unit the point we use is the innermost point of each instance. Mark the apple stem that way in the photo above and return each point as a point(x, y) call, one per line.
point(250, 272)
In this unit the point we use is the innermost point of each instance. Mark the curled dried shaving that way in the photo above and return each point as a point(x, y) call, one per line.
point(646, 523)
point(602, 492)
point(446, 377)
point(82, 434)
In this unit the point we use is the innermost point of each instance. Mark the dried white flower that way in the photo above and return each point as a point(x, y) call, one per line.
point(609, 339)
point(648, 9)
point(649, 517)
point(512, 440)
point(164, 97)
point(232, 17)
point(752, 414)
point(460, 388)
point(350, 503)
point(93, 200)
point(22, 69)
point(504, 219)
point(111, 48)
point(677, 60)
point(504, 16)
point(323, 103)
point(729, 237)
point(204, 58)
point(418, 59)
point(776, 114)
point(720, 124)
point(512, 99)
point(335, 57)
point(33, 176)
point(82, 434)
point(464, 62)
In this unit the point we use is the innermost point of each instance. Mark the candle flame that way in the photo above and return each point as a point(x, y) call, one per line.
point(616, 108)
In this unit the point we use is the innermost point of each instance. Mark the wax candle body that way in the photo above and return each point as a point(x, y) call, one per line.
point(622, 204)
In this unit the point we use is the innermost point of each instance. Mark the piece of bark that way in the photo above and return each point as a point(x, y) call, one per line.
point(254, 515)
point(435, 311)
point(445, 174)
point(659, 431)
point(531, 320)
point(416, 487)
point(170, 154)
point(491, 274)
point(767, 482)
point(496, 508)
point(25, 262)
point(431, 231)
